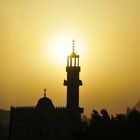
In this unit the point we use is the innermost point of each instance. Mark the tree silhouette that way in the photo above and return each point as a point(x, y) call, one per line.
point(102, 126)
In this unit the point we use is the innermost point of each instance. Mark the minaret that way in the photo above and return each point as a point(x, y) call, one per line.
point(73, 81)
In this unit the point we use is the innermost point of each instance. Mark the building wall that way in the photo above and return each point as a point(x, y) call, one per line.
point(31, 123)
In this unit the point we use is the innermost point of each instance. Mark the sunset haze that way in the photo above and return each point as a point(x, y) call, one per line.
point(36, 37)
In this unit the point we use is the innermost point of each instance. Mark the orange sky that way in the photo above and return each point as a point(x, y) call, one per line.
point(107, 34)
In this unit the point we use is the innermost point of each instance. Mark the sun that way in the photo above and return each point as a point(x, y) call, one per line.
point(59, 46)
point(60, 50)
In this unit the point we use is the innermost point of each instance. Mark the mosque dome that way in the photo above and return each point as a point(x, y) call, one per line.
point(45, 103)
point(73, 54)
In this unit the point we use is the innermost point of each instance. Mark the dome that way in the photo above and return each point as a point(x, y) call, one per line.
point(45, 103)
point(73, 54)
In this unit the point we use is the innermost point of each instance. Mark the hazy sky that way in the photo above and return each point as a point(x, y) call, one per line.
point(35, 33)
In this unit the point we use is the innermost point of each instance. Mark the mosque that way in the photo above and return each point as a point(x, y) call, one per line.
point(44, 121)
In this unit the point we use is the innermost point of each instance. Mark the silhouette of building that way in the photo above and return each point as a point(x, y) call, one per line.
point(45, 121)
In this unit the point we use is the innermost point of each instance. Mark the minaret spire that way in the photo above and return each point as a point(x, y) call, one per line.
point(45, 92)
point(73, 45)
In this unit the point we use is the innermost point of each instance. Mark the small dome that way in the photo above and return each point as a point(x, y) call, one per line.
point(45, 103)
point(73, 54)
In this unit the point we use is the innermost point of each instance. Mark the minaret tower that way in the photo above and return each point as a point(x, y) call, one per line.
point(73, 81)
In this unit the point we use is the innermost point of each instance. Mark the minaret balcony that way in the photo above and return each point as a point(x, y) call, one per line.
point(69, 69)
point(73, 83)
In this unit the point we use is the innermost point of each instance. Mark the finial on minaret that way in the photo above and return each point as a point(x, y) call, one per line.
point(45, 92)
point(73, 44)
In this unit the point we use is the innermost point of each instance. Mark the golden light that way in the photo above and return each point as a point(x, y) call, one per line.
point(60, 49)
point(59, 46)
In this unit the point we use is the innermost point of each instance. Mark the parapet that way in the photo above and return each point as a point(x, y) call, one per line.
point(21, 108)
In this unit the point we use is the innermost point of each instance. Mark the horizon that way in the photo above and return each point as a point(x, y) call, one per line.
point(35, 40)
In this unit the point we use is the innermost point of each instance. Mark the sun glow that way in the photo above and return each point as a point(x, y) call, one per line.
point(60, 46)
point(60, 50)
